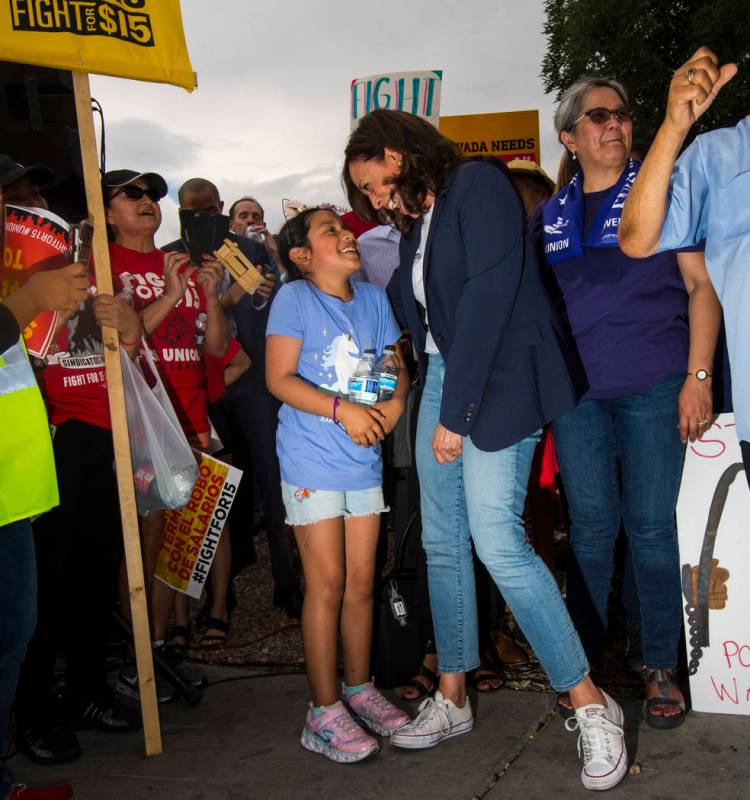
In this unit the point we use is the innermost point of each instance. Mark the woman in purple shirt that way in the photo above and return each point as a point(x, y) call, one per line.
point(640, 325)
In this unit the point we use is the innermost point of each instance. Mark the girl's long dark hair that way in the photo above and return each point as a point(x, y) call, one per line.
point(295, 233)
point(428, 160)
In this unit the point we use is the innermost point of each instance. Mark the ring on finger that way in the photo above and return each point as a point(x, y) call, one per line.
point(691, 75)
point(704, 421)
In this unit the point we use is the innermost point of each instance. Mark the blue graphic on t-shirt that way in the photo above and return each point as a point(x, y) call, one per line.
point(313, 452)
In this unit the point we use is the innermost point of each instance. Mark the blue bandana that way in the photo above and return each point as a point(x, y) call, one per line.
point(562, 218)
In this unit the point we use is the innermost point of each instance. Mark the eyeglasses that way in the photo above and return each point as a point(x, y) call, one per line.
point(133, 192)
point(601, 115)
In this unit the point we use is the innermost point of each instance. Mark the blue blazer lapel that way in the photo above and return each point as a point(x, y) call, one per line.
point(437, 210)
point(407, 251)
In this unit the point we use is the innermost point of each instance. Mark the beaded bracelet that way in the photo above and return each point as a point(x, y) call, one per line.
point(336, 401)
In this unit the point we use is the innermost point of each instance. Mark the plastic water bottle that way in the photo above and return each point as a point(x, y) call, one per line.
point(363, 385)
point(255, 235)
point(386, 371)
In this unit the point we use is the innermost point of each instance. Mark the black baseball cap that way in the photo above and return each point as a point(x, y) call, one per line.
point(122, 177)
point(11, 171)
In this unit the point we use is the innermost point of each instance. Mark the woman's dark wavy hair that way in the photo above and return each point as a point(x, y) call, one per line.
point(295, 232)
point(429, 159)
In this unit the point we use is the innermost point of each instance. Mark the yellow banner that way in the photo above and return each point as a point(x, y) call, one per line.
point(139, 39)
point(191, 534)
point(506, 135)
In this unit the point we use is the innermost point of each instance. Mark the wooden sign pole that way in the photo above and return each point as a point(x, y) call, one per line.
point(128, 512)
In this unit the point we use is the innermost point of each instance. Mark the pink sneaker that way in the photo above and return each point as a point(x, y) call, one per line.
point(377, 713)
point(337, 736)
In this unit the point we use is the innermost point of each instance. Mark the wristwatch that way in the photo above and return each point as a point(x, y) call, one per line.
point(701, 374)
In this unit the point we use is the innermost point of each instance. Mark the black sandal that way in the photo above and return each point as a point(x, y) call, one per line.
point(419, 687)
point(215, 640)
point(178, 632)
point(483, 674)
point(664, 678)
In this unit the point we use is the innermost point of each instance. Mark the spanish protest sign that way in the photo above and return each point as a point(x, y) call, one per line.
point(141, 39)
point(191, 535)
point(506, 135)
point(35, 240)
point(712, 512)
point(415, 92)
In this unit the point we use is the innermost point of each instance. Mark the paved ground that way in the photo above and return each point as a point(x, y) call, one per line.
point(241, 743)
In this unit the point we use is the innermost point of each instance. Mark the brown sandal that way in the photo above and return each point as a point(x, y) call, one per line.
point(507, 653)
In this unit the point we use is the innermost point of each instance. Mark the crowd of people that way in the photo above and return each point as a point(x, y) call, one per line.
point(517, 315)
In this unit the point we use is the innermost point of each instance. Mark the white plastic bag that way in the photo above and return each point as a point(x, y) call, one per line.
point(164, 467)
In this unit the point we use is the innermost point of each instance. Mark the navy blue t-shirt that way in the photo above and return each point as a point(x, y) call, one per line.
point(629, 317)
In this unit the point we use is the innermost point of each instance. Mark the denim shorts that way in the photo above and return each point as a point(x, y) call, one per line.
point(306, 506)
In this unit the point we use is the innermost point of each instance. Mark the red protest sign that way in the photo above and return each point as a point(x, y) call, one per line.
point(35, 240)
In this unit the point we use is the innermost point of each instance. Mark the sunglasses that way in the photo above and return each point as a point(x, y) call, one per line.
point(601, 115)
point(133, 192)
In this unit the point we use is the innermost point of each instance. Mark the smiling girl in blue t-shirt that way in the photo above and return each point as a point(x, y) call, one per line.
point(329, 453)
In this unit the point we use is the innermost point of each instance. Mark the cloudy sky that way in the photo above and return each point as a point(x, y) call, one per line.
point(270, 115)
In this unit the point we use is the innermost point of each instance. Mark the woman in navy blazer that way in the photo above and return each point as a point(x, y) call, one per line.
point(493, 362)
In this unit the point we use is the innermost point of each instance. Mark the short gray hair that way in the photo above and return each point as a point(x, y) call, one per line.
point(571, 103)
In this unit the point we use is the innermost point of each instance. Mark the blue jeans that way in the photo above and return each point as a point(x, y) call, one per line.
point(481, 497)
point(640, 431)
point(17, 609)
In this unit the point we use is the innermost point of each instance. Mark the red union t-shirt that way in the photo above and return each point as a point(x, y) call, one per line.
point(177, 342)
point(73, 381)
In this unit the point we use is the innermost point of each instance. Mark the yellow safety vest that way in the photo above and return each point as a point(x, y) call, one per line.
point(28, 485)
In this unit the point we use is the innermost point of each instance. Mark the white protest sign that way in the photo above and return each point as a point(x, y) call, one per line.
point(414, 92)
point(713, 510)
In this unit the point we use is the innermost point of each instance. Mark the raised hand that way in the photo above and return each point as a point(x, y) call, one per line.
point(694, 87)
point(210, 276)
point(176, 275)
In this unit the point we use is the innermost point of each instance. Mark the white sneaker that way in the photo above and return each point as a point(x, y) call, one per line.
point(437, 719)
point(602, 740)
